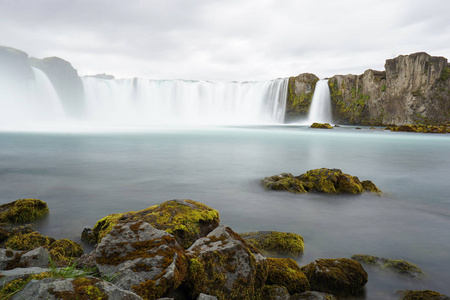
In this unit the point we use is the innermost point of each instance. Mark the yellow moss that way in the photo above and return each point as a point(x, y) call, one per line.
point(83, 289)
point(321, 125)
point(285, 272)
point(421, 295)
point(23, 210)
point(274, 243)
point(28, 241)
point(65, 250)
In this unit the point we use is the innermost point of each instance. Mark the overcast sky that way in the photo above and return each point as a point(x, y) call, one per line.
point(225, 40)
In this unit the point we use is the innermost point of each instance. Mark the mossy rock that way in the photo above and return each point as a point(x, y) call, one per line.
point(186, 220)
point(420, 128)
point(285, 272)
point(330, 181)
point(312, 296)
point(400, 266)
point(340, 276)
point(321, 125)
point(65, 250)
point(22, 211)
point(421, 295)
point(28, 241)
point(275, 244)
point(275, 292)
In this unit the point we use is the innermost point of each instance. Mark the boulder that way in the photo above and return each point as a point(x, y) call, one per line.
point(275, 292)
point(22, 211)
point(299, 96)
point(312, 296)
point(331, 181)
point(285, 272)
point(399, 266)
point(223, 265)
point(340, 276)
point(421, 295)
point(275, 244)
point(186, 220)
point(19, 273)
point(206, 297)
point(10, 259)
point(322, 125)
point(141, 258)
point(28, 241)
point(79, 288)
point(420, 128)
point(65, 250)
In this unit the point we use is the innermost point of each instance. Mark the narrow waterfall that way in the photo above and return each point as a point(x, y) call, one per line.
point(320, 110)
point(141, 102)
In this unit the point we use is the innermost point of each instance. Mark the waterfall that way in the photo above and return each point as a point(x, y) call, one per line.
point(320, 110)
point(144, 103)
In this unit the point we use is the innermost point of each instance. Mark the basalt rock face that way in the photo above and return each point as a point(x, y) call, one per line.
point(15, 66)
point(66, 81)
point(413, 89)
point(299, 96)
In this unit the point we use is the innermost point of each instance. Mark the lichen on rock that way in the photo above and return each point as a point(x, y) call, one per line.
point(186, 220)
point(285, 272)
point(22, 211)
point(65, 250)
point(275, 292)
point(331, 181)
point(399, 266)
point(28, 241)
point(275, 244)
point(222, 264)
point(321, 125)
point(340, 276)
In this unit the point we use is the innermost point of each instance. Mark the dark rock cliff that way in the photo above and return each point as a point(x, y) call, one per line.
point(413, 89)
point(66, 81)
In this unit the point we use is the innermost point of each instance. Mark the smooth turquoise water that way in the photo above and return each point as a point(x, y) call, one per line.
point(84, 177)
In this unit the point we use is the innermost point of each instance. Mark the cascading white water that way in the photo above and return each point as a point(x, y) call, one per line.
point(26, 104)
point(320, 110)
point(143, 103)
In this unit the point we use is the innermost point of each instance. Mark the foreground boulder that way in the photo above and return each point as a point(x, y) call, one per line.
point(142, 259)
point(22, 211)
point(80, 288)
point(10, 259)
point(223, 265)
point(186, 220)
point(422, 295)
point(285, 272)
point(274, 243)
point(400, 266)
point(340, 276)
point(331, 181)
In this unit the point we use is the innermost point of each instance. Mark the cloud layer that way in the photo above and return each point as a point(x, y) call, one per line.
point(225, 40)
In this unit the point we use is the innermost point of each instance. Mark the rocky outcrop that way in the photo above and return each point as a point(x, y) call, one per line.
point(222, 264)
point(285, 272)
point(400, 266)
point(299, 96)
point(419, 295)
point(340, 276)
point(275, 243)
point(15, 68)
point(413, 89)
point(321, 125)
point(275, 292)
point(312, 296)
point(66, 82)
point(331, 181)
point(186, 220)
point(142, 258)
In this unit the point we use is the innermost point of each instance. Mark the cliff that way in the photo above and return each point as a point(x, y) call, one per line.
point(66, 81)
point(15, 69)
point(299, 96)
point(413, 89)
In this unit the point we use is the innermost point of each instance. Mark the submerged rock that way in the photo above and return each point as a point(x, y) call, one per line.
point(321, 125)
point(274, 243)
point(331, 181)
point(223, 265)
point(420, 128)
point(142, 258)
point(400, 266)
point(186, 220)
point(285, 272)
point(340, 276)
point(22, 211)
point(421, 295)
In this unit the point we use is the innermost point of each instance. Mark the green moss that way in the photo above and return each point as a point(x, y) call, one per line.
point(297, 105)
point(65, 250)
point(445, 74)
point(421, 295)
point(419, 128)
point(83, 289)
point(28, 241)
point(23, 210)
point(383, 88)
point(369, 186)
point(275, 292)
point(274, 243)
point(14, 286)
point(187, 221)
point(285, 272)
point(321, 125)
